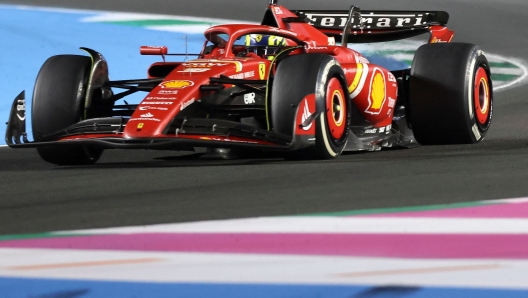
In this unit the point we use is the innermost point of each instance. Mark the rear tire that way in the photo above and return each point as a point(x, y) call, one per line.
point(450, 94)
point(58, 102)
point(298, 76)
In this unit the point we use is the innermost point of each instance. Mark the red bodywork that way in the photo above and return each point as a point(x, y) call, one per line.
point(372, 88)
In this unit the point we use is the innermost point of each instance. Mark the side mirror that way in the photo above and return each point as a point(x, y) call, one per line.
point(153, 50)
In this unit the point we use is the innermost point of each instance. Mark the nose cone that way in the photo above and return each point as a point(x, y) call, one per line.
point(160, 107)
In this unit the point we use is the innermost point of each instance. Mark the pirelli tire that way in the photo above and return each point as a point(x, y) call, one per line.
point(450, 94)
point(58, 102)
point(301, 75)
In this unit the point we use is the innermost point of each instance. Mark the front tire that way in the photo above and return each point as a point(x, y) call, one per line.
point(301, 75)
point(58, 102)
point(450, 94)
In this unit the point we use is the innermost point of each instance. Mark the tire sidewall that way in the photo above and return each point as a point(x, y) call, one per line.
point(329, 69)
point(58, 97)
point(58, 102)
point(441, 101)
point(477, 60)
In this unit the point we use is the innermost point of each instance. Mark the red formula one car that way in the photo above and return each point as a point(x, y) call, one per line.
point(291, 84)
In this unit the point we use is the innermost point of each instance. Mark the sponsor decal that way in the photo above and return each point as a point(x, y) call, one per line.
point(311, 43)
point(384, 129)
point(21, 109)
point(157, 103)
point(392, 102)
point(262, 71)
point(184, 105)
point(160, 98)
point(476, 132)
point(438, 40)
point(197, 67)
point(141, 108)
point(377, 92)
point(204, 64)
point(392, 78)
point(140, 126)
point(363, 59)
point(244, 75)
point(144, 119)
point(249, 98)
point(147, 115)
point(306, 114)
point(215, 62)
point(278, 10)
point(176, 84)
point(371, 20)
point(317, 48)
point(194, 70)
point(320, 20)
point(161, 92)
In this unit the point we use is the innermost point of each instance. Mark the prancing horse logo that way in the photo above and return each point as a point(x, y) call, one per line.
point(262, 71)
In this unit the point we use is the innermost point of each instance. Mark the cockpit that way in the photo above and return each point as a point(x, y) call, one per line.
point(256, 43)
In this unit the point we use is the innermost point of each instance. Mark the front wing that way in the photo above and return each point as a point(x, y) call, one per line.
point(108, 133)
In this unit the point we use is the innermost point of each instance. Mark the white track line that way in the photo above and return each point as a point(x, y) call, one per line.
point(334, 225)
point(107, 13)
point(190, 29)
point(518, 63)
point(180, 267)
point(123, 17)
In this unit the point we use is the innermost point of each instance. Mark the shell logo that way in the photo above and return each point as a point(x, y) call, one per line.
point(377, 93)
point(176, 84)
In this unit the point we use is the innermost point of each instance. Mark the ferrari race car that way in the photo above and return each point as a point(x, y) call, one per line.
point(291, 84)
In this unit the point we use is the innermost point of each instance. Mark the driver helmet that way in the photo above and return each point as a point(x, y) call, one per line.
point(264, 45)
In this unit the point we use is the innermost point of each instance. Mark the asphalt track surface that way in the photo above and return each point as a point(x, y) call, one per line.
point(147, 187)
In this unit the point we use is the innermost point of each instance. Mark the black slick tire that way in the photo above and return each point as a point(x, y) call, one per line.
point(450, 94)
point(58, 102)
point(298, 76)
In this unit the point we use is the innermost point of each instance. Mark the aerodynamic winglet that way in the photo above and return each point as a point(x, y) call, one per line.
point(16, 126)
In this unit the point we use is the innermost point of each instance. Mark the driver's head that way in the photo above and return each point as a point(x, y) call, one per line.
point(264, 45)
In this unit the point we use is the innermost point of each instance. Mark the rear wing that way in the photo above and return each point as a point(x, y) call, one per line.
point(378, 25)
